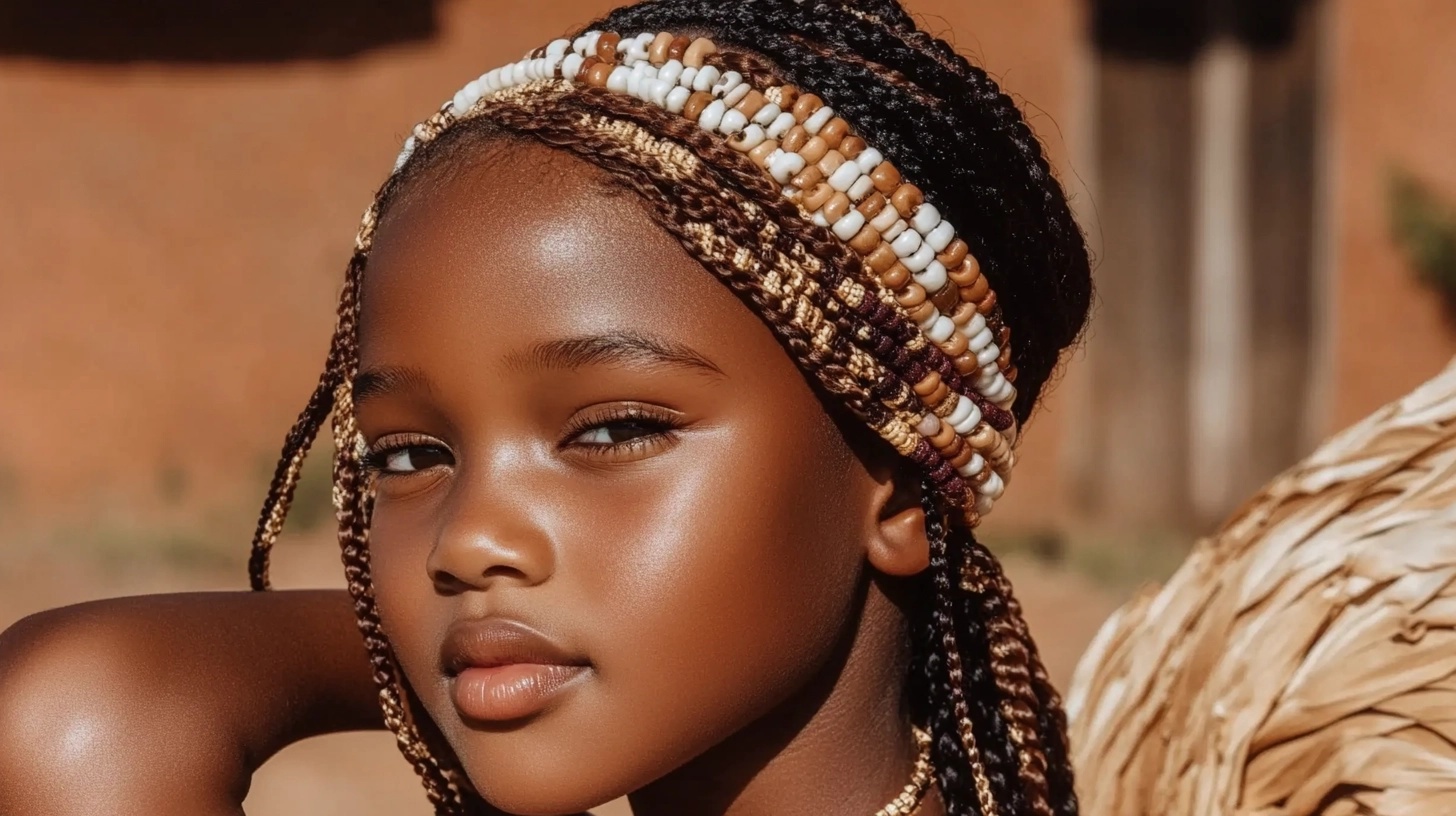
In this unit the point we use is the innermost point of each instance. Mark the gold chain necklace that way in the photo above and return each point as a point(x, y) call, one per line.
point(908, 802)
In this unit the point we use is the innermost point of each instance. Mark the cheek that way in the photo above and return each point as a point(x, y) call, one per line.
point(408, 606)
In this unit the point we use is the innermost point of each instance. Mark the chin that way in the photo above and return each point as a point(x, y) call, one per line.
point(530, 778)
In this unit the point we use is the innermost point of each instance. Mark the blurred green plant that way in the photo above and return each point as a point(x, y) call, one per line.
point(1424, 226)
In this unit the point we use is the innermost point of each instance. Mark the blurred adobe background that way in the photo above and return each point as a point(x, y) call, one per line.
point(1269, 186)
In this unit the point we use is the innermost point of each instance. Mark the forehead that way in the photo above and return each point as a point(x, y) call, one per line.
point(522, 243)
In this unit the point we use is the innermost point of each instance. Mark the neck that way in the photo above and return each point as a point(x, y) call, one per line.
point(842, 746)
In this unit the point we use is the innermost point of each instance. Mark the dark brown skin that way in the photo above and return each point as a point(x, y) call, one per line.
point(703, 535)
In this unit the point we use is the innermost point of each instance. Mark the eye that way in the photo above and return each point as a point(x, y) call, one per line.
point(618, 432)
point(401, 456)
point(631, 429)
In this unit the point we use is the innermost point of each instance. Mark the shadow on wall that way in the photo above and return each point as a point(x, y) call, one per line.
point(209, 31)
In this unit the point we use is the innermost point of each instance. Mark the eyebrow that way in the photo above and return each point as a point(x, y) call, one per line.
point(376, 382)
point(613, 348)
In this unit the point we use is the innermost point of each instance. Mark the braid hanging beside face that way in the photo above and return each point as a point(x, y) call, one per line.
point(981, 690)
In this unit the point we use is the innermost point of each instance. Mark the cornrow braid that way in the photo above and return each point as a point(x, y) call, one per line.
point(857, 331)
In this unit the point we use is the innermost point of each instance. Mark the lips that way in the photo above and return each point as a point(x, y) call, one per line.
point(502, 670)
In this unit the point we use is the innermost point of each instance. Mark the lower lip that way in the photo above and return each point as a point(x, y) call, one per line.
point(503, 693)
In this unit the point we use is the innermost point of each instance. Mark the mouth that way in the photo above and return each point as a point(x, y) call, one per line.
point(500, 670)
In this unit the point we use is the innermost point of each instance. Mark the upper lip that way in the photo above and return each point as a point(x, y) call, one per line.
point(495, 642)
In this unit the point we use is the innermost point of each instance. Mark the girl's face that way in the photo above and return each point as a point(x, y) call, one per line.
point(614, 524)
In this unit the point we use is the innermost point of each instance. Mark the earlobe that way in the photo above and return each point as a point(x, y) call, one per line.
point(899, 545)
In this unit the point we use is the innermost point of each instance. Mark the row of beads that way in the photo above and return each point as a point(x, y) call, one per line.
point(846, 186)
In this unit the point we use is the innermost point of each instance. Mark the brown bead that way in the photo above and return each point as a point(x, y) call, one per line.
point(911, 296)
point(678, 47)
point(814, 150)
point(962, 458)
point(947, 297)
point(831, 162)
point(698, 51)
point(922, 313)
point(817, 197)
point(1011, 373)
point(586, 66)
point(955, 448)
point(977, 291)
point(985, 306)
point(808, 179)
point(963, 314)
point(871, 205)
point(1004, 361)
point(837, 207)
point(956, 345)
point(751, 104)
point(927, 386)
point(886, 178)
point(966, 364)
point(1003, 335)
point(881, 259)
point(787, 95)
point(865, 241)
point(966, 274)
point(907, 199)
point(806, 106)
point(795, 139)
point(693, 108)
point(607, 46)
point(944, 437)
point(657, 51)
point(852, 146)
point(834, 132)
point(953, 254)
point(895, 278)
point(598, 74)
point(939, 396)
point(760, 154)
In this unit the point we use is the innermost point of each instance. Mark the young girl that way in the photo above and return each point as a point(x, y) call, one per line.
point(674, 367)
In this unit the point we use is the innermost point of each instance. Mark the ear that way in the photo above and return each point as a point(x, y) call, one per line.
point(898, 544)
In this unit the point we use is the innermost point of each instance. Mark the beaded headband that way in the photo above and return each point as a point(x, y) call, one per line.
point(844, 185)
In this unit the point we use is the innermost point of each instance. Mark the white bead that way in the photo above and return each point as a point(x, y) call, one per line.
point(726, 83)
point(934, 278)
point(553, 66)
point(767, 114)
point(645, 40)
point(538, 68)
point(970, 469)
point(712, 115)
point(733, 122)
point(940, 237)
point(961, 412)
point(736, 95)
point(925, 219)
point(783, 124)
point(885, 219)
point(579, 45)
point(845, 177)
point(922, 257)
point(405, 153)
point(819, 219)
point(636, 51)
point(790, 191)
point(906, 244)
point(988, 355)
point(688, 75)
point(671, 71)
point(1005, 395)
point(591, 43)
point(896, 227)
point(861, 188)
point(752, 137)
point(462, 101)
point(571, 66)
point(967, 424)
point(941, 330)
point(620, 79)
point(869, 159)
point(660, 89)
point(975, 325)
point(984, 504)
point(981, 340)
point(558, 48)
point(993, 487)
point(986, 380)
point(816, 123)
point(677, 98)
point(786, 167)
point(706, 78)
point(929, 425)
point(929, 319)
point(850, 225)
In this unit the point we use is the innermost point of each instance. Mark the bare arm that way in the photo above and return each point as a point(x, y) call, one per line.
point(167, 704)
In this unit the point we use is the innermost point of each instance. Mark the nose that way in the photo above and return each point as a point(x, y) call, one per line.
point(488, 536)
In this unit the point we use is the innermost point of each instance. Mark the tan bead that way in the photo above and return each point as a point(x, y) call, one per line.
point(834, 132)
point(955, 448)
point(966, 274)
point(607, 46)
point(865, 241)
point(953, 254)
point(817, 197)
point(698, 51)
point(695, 105)
point(1004, 361)
point(760, 154)
point(831, 162)
point(814, 150)
point(966, 364)
point(963, 314)
point(1011, 372)
point(871, 205)
point(911, 296)
point(886, 178)
point(947, 297)
point(598, 74)
point(956, 345)
point(895, 278)
point(806, 106)
point(585, 69)
point(678, 48)
point(837, 207)
point(922, 312)
point(788, 96)
point(939, 396)
point(808, 179)
point(795, 139)
point(985, 306)
point(927, 386)
point(963, 458)
point(881, 259)
point(852, 146)
point(907, 199)
point(657, 52)
point(944, 437)
point(751, 104)
point(977, 291)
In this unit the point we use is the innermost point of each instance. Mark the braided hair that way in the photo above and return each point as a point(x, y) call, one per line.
point(977, 683)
